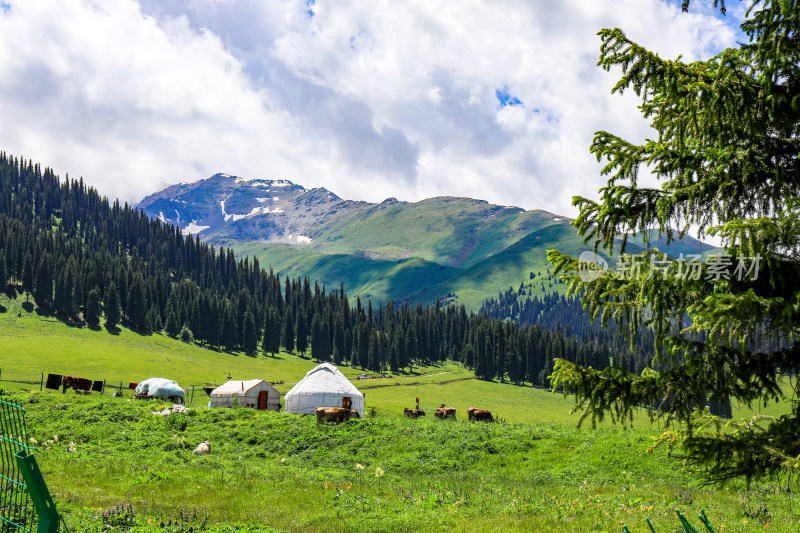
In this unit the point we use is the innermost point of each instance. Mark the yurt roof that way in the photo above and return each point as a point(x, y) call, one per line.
point(237, 387)
point(324, 378)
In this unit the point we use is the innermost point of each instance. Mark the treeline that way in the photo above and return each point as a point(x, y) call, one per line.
point(83, 258)
point(555, 312)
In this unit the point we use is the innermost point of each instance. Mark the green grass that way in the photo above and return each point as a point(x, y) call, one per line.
point(533, 471)
point(285, 472)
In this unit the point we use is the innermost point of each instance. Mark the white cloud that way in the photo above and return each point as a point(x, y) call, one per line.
point(368, 99)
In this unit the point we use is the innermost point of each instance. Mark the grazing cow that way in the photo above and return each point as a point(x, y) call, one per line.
point(480, 414)
point(203, 448)
point(334, 414)
point(445, 412)
point(413, 413)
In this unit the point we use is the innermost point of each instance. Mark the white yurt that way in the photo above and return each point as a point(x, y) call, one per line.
point(323, 386)
point(254, 393)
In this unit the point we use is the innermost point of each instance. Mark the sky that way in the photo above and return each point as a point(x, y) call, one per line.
point(496, 100)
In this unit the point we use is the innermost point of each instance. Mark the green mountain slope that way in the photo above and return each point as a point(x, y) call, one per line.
point(455, 232)
point(420, 280)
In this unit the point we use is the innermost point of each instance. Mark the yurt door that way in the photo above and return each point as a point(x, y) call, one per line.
point(347, 402)
point(262, 400)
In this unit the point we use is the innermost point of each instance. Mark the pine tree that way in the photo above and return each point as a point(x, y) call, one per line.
point(3, 272)
point(726, 154)
point(300, 331)
point(249, 338)
point(92, 314)
point(272, 332)
point(287, 332)
point(27, 276)
point(137, 304)
point(171, 325)
point(316, 338)
point(228, 336)
point(111, 307)
point(186, 334)
point(43, 293)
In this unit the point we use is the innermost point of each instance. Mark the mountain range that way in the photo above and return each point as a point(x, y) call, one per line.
point(447, 248)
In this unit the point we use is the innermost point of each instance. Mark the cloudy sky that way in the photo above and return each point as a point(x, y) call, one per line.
point(495, 100)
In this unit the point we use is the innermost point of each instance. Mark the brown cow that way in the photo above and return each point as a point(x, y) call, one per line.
point(480, 414)
point(413, 413)
point(445, 412)
point(334, 414)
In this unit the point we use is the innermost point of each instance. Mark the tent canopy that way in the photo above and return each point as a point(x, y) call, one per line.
point(159, 388)
point(323, 386)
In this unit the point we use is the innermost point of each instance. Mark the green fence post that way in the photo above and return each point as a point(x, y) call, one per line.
point(40, 495)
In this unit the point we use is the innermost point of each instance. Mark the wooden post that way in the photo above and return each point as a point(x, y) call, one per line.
point(41, 383)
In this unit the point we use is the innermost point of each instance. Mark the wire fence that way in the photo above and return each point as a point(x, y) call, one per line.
point(196, 395)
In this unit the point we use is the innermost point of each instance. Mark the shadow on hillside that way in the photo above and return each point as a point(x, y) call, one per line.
point(113, 331)
point(3, 309)
point(27, 307)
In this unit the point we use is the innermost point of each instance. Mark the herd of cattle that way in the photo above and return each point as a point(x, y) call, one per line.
point(340, 414)
point(473, 413)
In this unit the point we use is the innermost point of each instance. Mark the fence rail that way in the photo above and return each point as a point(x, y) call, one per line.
point(15, 380)
point(16, 511)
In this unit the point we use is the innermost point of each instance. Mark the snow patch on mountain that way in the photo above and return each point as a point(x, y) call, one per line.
point(193, 228)
point(224, 214)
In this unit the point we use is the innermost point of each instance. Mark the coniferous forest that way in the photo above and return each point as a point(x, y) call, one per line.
point(86, 259)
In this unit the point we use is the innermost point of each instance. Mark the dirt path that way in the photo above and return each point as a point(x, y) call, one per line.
point(398, 384)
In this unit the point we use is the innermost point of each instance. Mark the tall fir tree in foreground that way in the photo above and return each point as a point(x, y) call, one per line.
point(726, 152)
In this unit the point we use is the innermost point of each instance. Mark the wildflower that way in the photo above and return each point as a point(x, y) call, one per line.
point(33, 441)
point(283, 460)
point(149, 520)
point(378, 472)
point(359, 466)
point(55, 438)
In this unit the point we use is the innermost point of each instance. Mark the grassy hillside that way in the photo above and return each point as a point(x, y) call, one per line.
point(451, 231)
point(277, 472)
point(417, 279)
point(535, 471)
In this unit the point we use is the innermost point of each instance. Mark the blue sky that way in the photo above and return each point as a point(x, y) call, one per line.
point(495, 100)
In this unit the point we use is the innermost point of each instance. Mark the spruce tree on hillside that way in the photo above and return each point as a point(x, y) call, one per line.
point(43, 292)
point(301, 332)
point(249, 338)
point(171, 326)
point(227, 334)
point(287, 333)
point(111, 307)
point(3, 272)
point(27, 276)
point(92, 314)
point(726, 152)
point(271, 342)
point(137, 304)
point(316, 338)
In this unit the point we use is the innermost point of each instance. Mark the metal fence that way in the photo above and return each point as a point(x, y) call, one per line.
point(16, 380)
point(25, 501)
